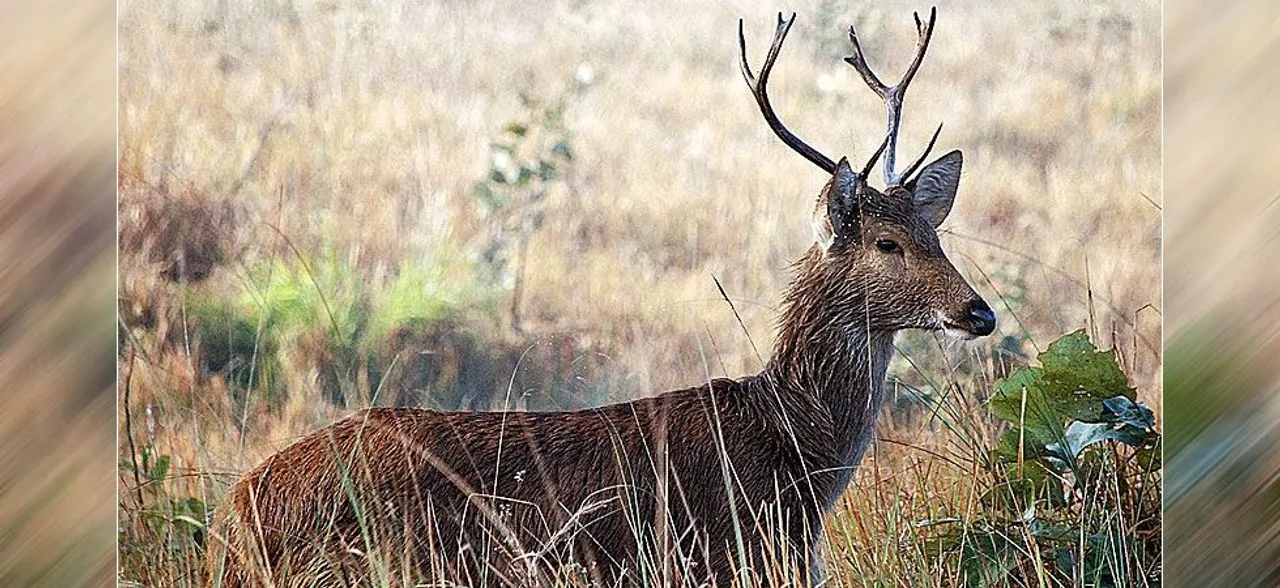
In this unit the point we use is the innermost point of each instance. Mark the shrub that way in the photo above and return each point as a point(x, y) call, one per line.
point(1074, 481)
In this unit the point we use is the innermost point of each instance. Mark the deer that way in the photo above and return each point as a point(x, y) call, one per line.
point(720, 482)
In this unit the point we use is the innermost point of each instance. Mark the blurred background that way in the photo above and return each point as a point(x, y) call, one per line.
point(1222, 294)
point(209, 111)
point(57, 294)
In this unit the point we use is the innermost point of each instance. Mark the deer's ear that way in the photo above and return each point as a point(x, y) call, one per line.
point(934, 190)
point(836, 218)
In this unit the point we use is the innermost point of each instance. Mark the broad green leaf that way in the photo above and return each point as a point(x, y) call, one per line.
point(1070, 385)
point(1081, 435)
point(1033, 483)
point(1123, 410)
point(1033, 446)
point(1074, 364)
point(1041, 418)
point(1007, 401)
point(987, 557)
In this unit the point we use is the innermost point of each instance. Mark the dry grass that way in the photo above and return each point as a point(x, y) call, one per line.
point(355, 133)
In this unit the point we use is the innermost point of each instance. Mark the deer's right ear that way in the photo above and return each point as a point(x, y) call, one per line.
point(934, 190)
point(836, 219)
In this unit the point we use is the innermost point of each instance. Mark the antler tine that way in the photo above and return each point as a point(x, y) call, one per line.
point(893, 95)
point(923, 34)
point(758, 89)
point(906, 175)
point(859, 63)
point(866, 169)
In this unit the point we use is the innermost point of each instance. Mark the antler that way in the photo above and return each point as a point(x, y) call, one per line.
point(893, 96)
point(762, 97)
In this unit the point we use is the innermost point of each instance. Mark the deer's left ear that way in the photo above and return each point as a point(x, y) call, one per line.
point(836, 219)
point(934, 190)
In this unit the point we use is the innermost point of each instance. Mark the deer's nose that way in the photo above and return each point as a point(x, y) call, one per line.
point(982, 320)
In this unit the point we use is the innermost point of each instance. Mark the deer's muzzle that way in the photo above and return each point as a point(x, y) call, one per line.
point(980, 320)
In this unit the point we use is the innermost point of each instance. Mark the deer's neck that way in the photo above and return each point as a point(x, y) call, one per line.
point(827, 362)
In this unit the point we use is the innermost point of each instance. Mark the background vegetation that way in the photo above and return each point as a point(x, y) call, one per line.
point(325, 206)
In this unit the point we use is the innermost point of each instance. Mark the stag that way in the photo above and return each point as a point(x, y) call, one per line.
point(727, 481)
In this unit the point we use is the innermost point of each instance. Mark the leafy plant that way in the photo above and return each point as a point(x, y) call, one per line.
point(177, 522)
point(527, 159)
point(1074, 477)
point(151, 466)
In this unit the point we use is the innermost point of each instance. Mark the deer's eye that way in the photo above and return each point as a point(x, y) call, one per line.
point(888, 246)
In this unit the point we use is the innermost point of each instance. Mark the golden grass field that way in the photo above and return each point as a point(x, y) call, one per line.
point(349, 137)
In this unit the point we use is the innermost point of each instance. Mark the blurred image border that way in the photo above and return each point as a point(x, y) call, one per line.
point(58, 317)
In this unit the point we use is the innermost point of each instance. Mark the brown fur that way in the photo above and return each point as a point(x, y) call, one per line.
point(714, 482)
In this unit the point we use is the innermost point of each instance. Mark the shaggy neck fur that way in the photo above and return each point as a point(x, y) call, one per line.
point(827, 372)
